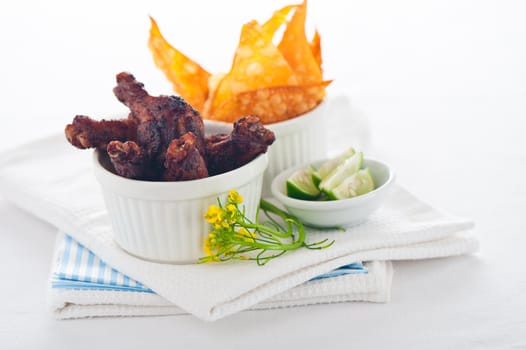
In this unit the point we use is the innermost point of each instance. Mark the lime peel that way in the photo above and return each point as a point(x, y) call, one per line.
point(349, 166)
point(357, 184)
point(341, 177)
point(327, 167)
point(300, 185)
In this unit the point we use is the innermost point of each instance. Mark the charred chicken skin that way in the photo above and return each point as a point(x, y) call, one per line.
point(163, 138)
point(128, 160)
point(184, 160)
point(160, 119)
point(248, 139)
point(85, 132)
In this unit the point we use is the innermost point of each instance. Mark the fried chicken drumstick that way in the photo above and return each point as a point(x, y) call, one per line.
point(163, 138)
point(85, 132)
point(184, 160)
point(160, 119)
point(248, 139)
point(128, 159)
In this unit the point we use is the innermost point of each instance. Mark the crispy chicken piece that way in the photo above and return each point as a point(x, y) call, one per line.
point(219, 153)
point(183, 160)
point(129, 160)
point(248, 139)
point(160, 119)
point(85, 132)
point(163, 138)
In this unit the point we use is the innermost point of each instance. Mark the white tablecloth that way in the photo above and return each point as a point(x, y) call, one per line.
point(441, 85)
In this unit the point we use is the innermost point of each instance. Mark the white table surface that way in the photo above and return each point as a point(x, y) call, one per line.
point(442, 87)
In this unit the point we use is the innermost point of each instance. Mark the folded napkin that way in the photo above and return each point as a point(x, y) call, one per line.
point(82, 285)
point(54, 181)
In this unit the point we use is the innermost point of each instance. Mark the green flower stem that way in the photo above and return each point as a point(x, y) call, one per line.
point(267, 206)
point(278, 246)
point(268, 230)
point(233, 234)
point(288, 218)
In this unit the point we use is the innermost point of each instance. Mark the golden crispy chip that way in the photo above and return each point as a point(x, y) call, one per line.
point(257, 63)
point(213, 84)
point(188, 78)
point(315, 46)
point(274, 82)
point(296, 49)
point(273, 104)
point(277, 20)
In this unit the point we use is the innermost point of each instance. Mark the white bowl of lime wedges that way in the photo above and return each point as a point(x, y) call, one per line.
point(340, 191)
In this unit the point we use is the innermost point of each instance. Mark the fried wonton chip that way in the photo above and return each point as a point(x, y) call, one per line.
point(274, 82)
point(257, 63)
point(188, 78)
point(273, 104)
point(315, 46)
point(297, 51)
point(279, 17)
point(269, 28)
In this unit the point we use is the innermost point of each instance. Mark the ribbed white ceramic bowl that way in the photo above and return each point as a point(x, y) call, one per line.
point(298, 141)
point(164, 221)
point(344, 212)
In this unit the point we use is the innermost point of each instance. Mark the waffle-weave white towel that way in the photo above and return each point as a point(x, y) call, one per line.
point(82, 285)
point(54, 181)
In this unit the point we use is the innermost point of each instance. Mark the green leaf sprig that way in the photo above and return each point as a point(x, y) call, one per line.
point(235, 237)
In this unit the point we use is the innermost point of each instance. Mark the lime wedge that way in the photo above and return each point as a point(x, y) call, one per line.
point(349, 166)
point(357, 184)
point(331, 164)
point(301, 186)
point(316, 179)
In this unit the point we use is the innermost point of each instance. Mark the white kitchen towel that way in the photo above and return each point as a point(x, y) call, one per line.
point(82, 285)
point(75, 266)
point(54, 181)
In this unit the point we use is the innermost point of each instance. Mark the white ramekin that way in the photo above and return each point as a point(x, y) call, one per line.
point(164, 221)
point(299, 140)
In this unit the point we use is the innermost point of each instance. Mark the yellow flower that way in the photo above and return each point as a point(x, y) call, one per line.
point(207, 246)
point(246, 234)
point(214, 215)
point(234, 197)
point(231, 210)
point(243, 231)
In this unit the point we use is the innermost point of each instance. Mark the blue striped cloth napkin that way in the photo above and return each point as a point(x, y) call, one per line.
point(77, 267)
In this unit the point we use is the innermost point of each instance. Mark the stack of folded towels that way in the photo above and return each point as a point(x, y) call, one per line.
point(91, 276)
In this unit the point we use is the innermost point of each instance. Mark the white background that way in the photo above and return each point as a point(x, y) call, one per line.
point(441, 88)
